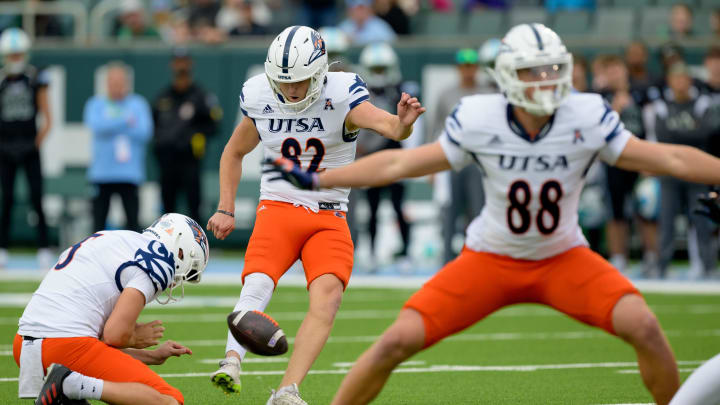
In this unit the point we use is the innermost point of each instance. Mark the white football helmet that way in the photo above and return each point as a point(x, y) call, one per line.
point(539, 49)
point(297, 54)
point(381, 65)
point(186, 241)
point(14, 41)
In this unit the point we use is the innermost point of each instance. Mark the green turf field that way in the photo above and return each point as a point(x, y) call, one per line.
point(521, 355)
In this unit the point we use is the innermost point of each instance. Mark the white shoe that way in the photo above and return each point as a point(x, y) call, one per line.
point(288, 395)
point(45, 259)
point(227, 378)
point(3, 258)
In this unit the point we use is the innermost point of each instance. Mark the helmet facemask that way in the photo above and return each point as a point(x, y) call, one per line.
point(551, 82)
point(313, 93)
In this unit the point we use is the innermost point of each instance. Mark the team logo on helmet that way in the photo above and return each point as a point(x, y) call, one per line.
point(199, 235)
point(319, 45)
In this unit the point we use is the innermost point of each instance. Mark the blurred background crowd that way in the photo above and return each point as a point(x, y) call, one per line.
point(136, 91)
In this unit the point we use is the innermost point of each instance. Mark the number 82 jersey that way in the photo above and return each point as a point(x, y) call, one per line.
point(532, 184)
point(316, 139)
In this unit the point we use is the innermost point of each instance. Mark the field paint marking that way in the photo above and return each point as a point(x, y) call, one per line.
point(348, 364)
point(681, 370)
point(433, 369)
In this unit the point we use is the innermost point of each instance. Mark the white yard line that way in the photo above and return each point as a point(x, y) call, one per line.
point(436, 369)
point(249, 360)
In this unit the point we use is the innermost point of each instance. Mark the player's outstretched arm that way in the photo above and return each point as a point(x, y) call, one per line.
point(122, 330)
point(242, 141)
point(387, 166)
point(662, 159)
point(395, 127)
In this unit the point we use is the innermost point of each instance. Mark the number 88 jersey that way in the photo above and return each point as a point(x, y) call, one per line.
point(532, 183)
point(316, 138)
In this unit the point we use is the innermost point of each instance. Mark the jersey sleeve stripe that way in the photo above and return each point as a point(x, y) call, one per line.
point(454, 117)
point(607, 112)
point(358, 101)
point(451, 139)
point(613, 133)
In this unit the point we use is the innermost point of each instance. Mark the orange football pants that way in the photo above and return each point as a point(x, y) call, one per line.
point(578, 283)
point(93, 358)
point(284, 233)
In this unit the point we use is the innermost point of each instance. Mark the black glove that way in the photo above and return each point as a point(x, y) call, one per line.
point(711, 202)
point(289, 171)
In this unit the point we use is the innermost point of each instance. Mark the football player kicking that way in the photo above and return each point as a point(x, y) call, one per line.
point(300, 112)
point(82, 320)
point(534, 145)
point(702, 387)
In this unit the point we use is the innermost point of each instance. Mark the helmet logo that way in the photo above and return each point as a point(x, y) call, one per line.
point(170, 231)
point(199, 236)
point(319, 47)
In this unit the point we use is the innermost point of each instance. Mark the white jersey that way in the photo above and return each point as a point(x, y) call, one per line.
point(316, 138)
point(77, 296)
point(532, 185)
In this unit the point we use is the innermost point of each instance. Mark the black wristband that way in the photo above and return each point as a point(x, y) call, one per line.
point(228, 213)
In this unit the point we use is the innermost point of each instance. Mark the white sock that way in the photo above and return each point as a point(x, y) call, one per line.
point(78, 386)
point(702, 387)
point(255, 295)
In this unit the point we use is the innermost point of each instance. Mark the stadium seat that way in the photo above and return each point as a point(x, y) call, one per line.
point(487, 22)
point(442, 24)
point(614, 23)
point(525, 15)
point(633, 3)
point(654, 22)
point(571, 22)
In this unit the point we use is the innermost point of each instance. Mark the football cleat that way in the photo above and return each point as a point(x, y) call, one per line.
point(227, 378)
point(288, 395)
point(52, 390)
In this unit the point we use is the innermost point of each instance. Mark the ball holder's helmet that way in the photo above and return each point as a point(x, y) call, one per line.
point(539, 49)
point(381, 66)
point(297, 54)
point(188, 244)
point(14, 41)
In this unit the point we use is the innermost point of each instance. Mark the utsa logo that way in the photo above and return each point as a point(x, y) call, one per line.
point(318, 45)
point(542, 163)
point(288, 125)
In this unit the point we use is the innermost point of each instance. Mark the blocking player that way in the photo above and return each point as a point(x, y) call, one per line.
point(534, 144)
point(82, 319)
point(702, 387)
point(300, 112)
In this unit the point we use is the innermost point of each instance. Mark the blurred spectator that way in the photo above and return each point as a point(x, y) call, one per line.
point(688, 119)
point(236, 18)
point(636, 59)
point(599, 77)
point(185, 115)
point(395, 16)
point(680, 24)
point(121, 125)
point(620, 183)
point(318, 13)
point(381, 72)
point(23, 94)
point(132, 23)
point(580, 73)
point(483, 4)
point(362, 25)
point(712, 66)
point(715, 22)
point(569, 5)
point(201, 20)
point(442, 6)
point(466, 193)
